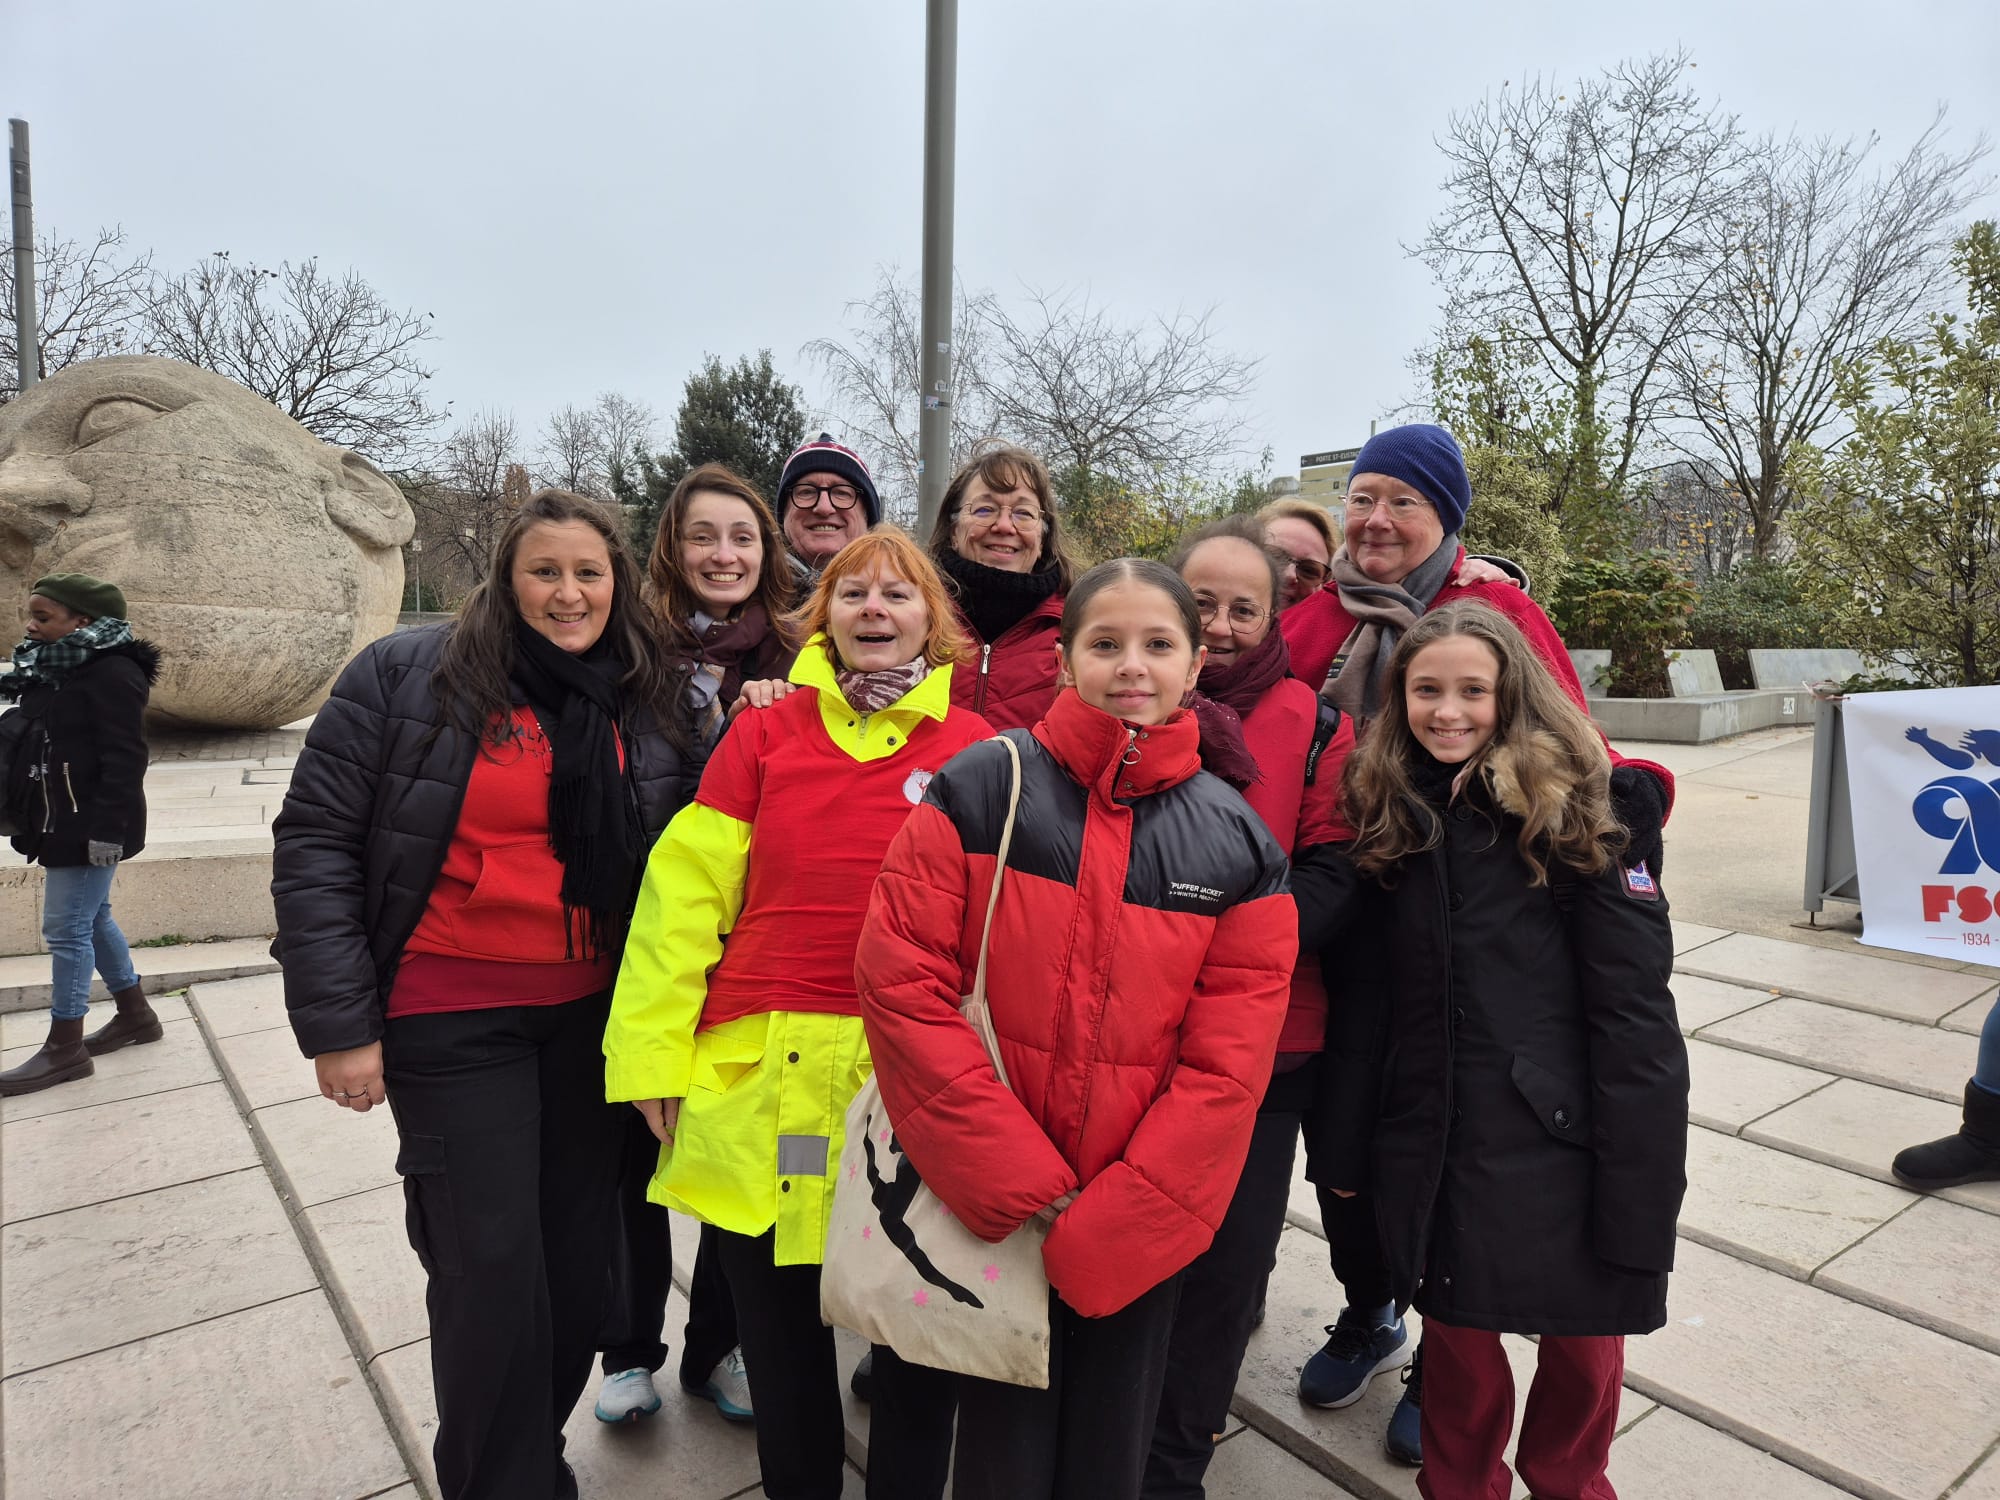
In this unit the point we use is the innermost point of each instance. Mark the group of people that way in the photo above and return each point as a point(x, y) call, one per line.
point(616, 888)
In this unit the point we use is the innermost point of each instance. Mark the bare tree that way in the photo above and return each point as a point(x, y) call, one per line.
point(327, 351)
point(624, 426)
point(1694, 512)
point(874, 379)
point(1820, 262)
point(1146, 405)
point(571, 454)
point(1137, 403)
point(90, 296)
point(1582, 216)
point(462, 503)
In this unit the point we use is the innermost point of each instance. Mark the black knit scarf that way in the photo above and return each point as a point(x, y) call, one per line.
point(593, 820)
point(994, 600)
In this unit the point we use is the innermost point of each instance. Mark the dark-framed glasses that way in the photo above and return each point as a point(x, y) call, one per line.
point(805, 495)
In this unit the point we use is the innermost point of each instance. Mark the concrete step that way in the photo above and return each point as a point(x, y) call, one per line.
point(24, 978)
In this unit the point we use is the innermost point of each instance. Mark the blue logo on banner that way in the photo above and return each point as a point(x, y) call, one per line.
point(1962, 810)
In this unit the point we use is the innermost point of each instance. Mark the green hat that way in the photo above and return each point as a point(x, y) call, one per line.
point(84, 594)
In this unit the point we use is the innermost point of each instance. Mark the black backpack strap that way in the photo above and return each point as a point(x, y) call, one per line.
point(1324, 729)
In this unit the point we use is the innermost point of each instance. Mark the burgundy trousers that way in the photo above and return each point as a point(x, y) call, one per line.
point(1468, 1414)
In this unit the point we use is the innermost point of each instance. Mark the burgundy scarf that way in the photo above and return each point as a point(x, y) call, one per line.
point(1223, 694)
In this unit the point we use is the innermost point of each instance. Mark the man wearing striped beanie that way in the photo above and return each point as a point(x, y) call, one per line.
point(826, 498)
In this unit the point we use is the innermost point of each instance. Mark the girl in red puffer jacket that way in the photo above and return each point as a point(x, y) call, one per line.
point(1140, 967)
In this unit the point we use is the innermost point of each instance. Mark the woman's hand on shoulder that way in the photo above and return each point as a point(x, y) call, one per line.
point(762, 694)
point(1478, 570)
point(353, 1078)
point(662, 1116)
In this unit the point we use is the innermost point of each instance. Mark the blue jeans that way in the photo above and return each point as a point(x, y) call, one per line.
point(77, 926)
point(1987, 1072)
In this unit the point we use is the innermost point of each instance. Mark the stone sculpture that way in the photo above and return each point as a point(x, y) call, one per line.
point(256, 556)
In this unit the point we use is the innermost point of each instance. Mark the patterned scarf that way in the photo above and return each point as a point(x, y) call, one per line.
point(1381, 613)
point(869, 692)
point(38, 662)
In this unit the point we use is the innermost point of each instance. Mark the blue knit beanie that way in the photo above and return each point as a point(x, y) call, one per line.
point(1429, 461)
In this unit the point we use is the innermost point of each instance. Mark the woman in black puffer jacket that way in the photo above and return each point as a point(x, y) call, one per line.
point(454, 869)
point(76, 794)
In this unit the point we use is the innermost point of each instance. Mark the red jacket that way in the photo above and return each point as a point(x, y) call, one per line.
point(1140, 962)
point(1282, 731)
point(1011, 681)
point(1318, 626)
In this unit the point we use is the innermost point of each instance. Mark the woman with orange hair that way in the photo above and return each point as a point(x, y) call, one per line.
point(743, 1058)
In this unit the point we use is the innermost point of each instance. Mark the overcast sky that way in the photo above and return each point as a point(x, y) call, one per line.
point(590, 196)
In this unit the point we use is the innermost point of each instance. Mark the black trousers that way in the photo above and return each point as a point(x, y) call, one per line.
point(642, 1273)
point(788, 1355)
point(1220, 1294)
point(909, 1428)
point(1354, 1248)
point(509, 1156)
point(1086, 1436)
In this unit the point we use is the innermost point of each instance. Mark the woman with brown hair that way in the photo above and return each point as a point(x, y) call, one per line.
point(999, 545)
point(743, 1057)
point(454, 873)
point(719, 583)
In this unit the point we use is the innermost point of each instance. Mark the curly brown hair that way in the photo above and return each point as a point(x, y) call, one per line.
point(1546, 763)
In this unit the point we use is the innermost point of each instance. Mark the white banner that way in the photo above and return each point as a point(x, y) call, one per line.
point(1923, 768)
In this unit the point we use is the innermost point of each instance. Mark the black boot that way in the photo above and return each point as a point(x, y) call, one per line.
point(134, 1023)
point(61, 1059)
point(1973, 1155)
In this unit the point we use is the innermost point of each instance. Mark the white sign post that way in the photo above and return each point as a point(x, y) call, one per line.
point(1923, 768)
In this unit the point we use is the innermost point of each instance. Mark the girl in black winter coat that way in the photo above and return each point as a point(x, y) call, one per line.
point(76, 802)
point(1529, 1151)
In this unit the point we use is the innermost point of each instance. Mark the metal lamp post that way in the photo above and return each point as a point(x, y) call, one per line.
point(940, 144)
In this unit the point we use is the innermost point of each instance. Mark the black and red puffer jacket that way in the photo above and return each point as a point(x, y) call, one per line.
point(1140, 963)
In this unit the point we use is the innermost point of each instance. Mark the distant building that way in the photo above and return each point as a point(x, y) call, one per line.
point(1323, 476)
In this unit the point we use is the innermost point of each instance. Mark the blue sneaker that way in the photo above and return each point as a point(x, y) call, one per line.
point(1360, 1345)
point(1405, 1437)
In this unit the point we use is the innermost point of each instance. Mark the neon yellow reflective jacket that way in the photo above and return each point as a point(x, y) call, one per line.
point(764, 1094)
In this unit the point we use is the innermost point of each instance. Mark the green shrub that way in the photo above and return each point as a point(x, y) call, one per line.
point(1510, 517)
point(1636, 608)
point(1759, 605)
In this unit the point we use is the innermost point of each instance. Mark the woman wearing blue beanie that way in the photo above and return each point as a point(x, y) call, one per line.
point(1407, 499)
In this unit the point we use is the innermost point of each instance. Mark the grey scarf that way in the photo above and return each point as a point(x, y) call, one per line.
point(1381, 612)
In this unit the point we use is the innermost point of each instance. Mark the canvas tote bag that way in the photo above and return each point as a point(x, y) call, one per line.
point(900, 1269)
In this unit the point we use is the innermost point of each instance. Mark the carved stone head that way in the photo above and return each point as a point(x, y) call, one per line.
point(257, 557)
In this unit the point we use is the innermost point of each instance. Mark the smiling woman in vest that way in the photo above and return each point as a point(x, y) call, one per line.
point(999, 545)
point(454, 871)
point(743, 1057)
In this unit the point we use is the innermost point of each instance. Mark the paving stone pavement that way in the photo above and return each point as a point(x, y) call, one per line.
point(197, 1245)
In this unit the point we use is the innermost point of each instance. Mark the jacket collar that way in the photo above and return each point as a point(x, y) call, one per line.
point(929, 699)
point(1117, 760)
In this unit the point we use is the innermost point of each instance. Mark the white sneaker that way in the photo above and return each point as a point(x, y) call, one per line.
point(728, 1386)
point(627, 1396)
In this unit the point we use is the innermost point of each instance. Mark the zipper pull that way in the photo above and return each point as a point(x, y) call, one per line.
point(985, 658)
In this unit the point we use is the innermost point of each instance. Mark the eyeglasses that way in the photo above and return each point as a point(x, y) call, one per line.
point(1399, 509)
point(1023, 518)
point(1312, 573)
point(805, 495)
point(1241, 616)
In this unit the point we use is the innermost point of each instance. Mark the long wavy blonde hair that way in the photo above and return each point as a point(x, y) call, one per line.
point(1546, 763)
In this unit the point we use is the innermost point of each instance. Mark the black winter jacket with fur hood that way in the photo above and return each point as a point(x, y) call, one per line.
point(80, 775)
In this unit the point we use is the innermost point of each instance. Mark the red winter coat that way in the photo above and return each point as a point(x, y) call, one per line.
point(1011, 681)
point(1140, 962)
point(1300, 745)
point(1318, 626)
